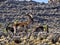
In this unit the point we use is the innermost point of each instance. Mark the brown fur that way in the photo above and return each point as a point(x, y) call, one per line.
point(21, 24)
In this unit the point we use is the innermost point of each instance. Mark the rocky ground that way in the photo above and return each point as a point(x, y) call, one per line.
point(43, 13)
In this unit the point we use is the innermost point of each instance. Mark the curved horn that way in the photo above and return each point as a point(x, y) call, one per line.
point(30, 17)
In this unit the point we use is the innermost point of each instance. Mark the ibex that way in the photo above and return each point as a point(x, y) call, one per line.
point(23, 24)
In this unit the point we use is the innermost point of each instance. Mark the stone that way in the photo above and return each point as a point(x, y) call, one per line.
point(54, 1)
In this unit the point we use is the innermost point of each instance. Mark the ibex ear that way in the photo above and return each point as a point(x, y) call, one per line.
point(27, 14)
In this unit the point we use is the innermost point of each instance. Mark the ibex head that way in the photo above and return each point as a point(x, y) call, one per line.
point(30, 17)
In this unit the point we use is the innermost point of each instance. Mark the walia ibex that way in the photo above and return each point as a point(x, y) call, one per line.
point(21, 24)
